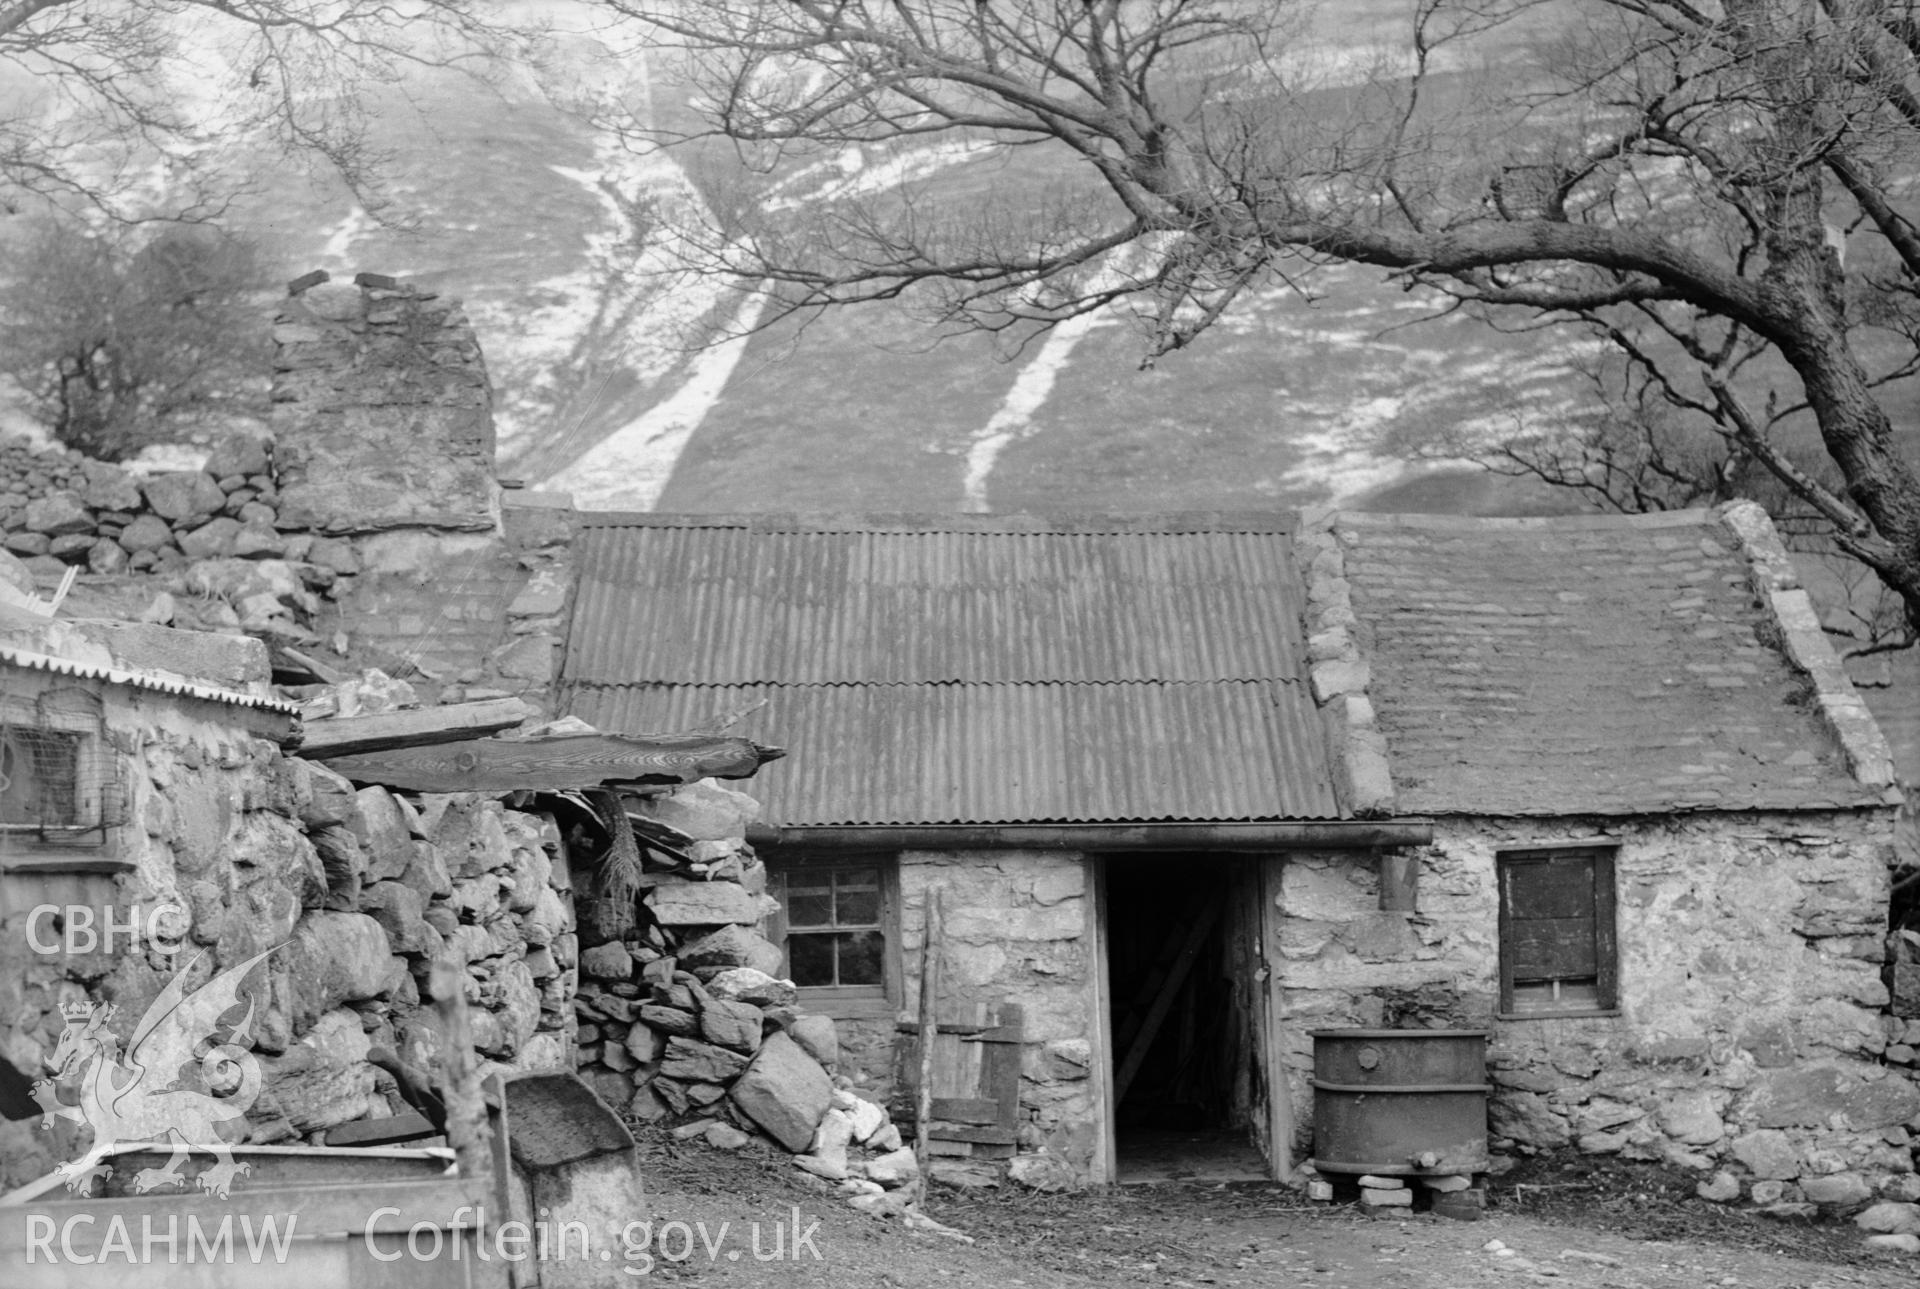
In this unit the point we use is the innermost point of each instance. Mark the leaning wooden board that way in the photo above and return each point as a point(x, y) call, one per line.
point(976, 1081)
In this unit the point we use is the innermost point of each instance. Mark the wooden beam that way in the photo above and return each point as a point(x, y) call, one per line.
point(416, 727)
point(1196, 936)
point(929, 1035)
point(557, 763)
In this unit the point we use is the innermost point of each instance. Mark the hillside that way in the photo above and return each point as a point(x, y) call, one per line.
point(559, 240)
point(548, 230)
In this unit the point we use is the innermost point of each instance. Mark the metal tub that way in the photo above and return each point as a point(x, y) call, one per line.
point(1400, 1102)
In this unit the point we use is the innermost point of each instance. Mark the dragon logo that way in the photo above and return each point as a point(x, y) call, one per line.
point(139, 1099)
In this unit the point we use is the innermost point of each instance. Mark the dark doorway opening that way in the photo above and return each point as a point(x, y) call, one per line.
point(1188, 1076)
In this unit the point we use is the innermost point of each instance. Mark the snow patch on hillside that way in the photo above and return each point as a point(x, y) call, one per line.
point(629, 468)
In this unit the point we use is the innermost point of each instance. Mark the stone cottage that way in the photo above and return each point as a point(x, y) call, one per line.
point(1193, 787)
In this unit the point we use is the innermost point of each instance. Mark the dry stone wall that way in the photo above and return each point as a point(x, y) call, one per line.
point(364, 530)
point(355, 891)
point(685, 1019)
point(1753, 1045)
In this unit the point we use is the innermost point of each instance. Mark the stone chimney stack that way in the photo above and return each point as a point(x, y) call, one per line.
point(382, 415)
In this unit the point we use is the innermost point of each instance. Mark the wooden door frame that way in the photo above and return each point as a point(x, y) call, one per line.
point(1107, 1166)
point(1266, 882)
point(1279, 1091)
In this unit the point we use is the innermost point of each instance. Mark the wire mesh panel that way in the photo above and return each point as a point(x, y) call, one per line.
point(56, 780)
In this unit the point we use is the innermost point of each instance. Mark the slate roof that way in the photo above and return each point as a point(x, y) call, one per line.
point(1585, 665)
point(960, 669)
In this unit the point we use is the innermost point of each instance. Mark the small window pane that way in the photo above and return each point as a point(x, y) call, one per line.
point(860, 955)
point(857, 903)
point(810, 904)
point(810, 959)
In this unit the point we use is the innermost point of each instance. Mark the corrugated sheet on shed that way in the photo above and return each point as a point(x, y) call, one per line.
point(710, 602)
point(965, 669)
point(1009, 753)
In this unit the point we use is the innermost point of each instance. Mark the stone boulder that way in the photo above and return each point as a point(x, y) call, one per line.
point(1890, 1218)
point(734, 1025)
point(323, 1079)
point(384, 832)
point(784, 1091)
point(1042, 1172)
point(696, 1062)
point(335, 958)
point(59, 514)
point(210, 540)
point(145, 533)
point(748, 985)
point(704, 811)
point(238, 453)
point(669, 1020)
point(678, 903)
point(1767, 1153)
point(895, 1168)
point(183, 495)
point(729, 947)
point(1839, 1189)
point(399, 910)
point(1808, 1096)
point(818, 1038)
point(109, 488)
point(607, 962)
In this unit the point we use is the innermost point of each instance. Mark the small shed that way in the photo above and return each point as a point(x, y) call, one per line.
point(1194, 786)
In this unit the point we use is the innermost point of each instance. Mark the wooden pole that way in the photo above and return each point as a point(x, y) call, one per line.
point(460, 1069)
point(929, 1031)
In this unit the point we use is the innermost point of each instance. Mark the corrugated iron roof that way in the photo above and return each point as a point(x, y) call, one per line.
point(964, 669)
point(158, 682)
point(1008, 753)
point(756, 600)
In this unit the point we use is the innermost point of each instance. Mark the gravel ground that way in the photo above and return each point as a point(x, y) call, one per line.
point(1580, 1225)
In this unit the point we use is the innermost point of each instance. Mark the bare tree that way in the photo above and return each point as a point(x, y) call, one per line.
point(1715, 188)
point(122, 105)
point(118, 335)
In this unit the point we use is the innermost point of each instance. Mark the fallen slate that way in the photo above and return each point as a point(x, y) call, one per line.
point(784, 1091)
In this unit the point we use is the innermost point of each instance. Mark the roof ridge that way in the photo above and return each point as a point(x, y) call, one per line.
point(586, 683)
point(1053, 523)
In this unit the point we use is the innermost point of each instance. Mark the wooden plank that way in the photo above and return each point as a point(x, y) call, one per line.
point(1001, 1076)
point(1196, 935)
point(992, 1134)
point(1606, 946)
point(929, 1037)
point(557, 763)
point(968, 1031)
point(967, 1109)
point(415, 727)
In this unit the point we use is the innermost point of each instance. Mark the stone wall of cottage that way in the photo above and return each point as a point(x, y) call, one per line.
point(1018, 927)
point(361, 890)
point(1755, 1044)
